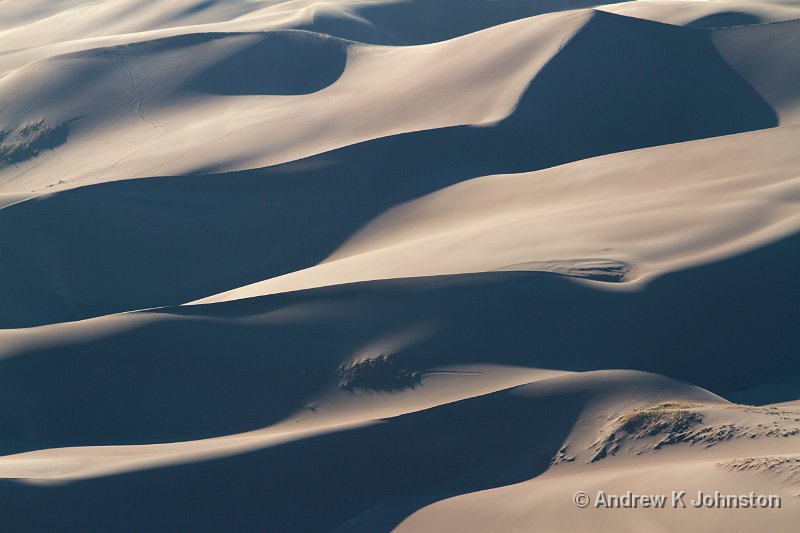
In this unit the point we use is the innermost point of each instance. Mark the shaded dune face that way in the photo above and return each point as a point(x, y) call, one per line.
point(393, 22)
point(622, 83)
point(618, 84)
point(48, 107)
point(725, 19)
point(218, 369)
point(427, 21)
point(27, 141)
point(277, 63)
point(161, 74)
point(489, 271)
point(423, 457)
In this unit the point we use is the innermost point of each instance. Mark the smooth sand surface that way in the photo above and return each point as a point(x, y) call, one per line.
point(398, 265)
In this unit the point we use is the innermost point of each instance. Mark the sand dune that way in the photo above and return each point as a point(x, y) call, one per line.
point(259, 125)
point(370, 177)
point(152, 117)
point(534, 500)
point(412, 265)
point(412, 452)
point(290, 348)
point(712, 14)
point(560, 219)
point(414, 471)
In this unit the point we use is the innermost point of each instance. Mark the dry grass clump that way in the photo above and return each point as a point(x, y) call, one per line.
point(787, 468)
point(668, 418)
point(26, 141)
point(674, 405)
point(672, 420)
point(379, 373)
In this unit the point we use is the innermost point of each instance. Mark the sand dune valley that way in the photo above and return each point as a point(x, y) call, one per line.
point(399, 265)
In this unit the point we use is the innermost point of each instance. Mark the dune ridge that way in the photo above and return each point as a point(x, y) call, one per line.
point(397, 265)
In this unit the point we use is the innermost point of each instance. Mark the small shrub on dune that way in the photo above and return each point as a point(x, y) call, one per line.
point(26, 141)
point(674, 421)
point(380, 373)
point(655, 420)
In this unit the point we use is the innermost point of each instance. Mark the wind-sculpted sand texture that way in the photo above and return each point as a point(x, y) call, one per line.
point(399, 265)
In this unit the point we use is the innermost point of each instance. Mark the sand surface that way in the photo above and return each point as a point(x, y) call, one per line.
point(398, 265)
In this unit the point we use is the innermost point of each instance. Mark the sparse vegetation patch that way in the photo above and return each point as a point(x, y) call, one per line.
point(27, 141)
point(675, 421)
point(658, 419)
point(380, 373)
point(787, 468)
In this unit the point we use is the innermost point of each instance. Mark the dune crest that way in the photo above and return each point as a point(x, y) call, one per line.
point(399, 265)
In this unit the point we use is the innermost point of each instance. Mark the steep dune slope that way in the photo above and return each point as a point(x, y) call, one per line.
point(427, 457)
point(747, 51)
point(664, 89)
point(413, 265)
point(176, 249)
point(151, 112)
point(258, 229)
point(38, 28)
point(708, 13)
point(423, 456)
point(623, 218)
point(35, 23)
point(264, 358)
point(540, 503)
point(38, 23)
point(407, 22)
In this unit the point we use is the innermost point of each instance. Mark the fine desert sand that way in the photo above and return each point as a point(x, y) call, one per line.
point(399, 265)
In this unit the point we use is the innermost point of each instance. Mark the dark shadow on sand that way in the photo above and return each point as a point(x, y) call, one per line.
point(620, 84)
